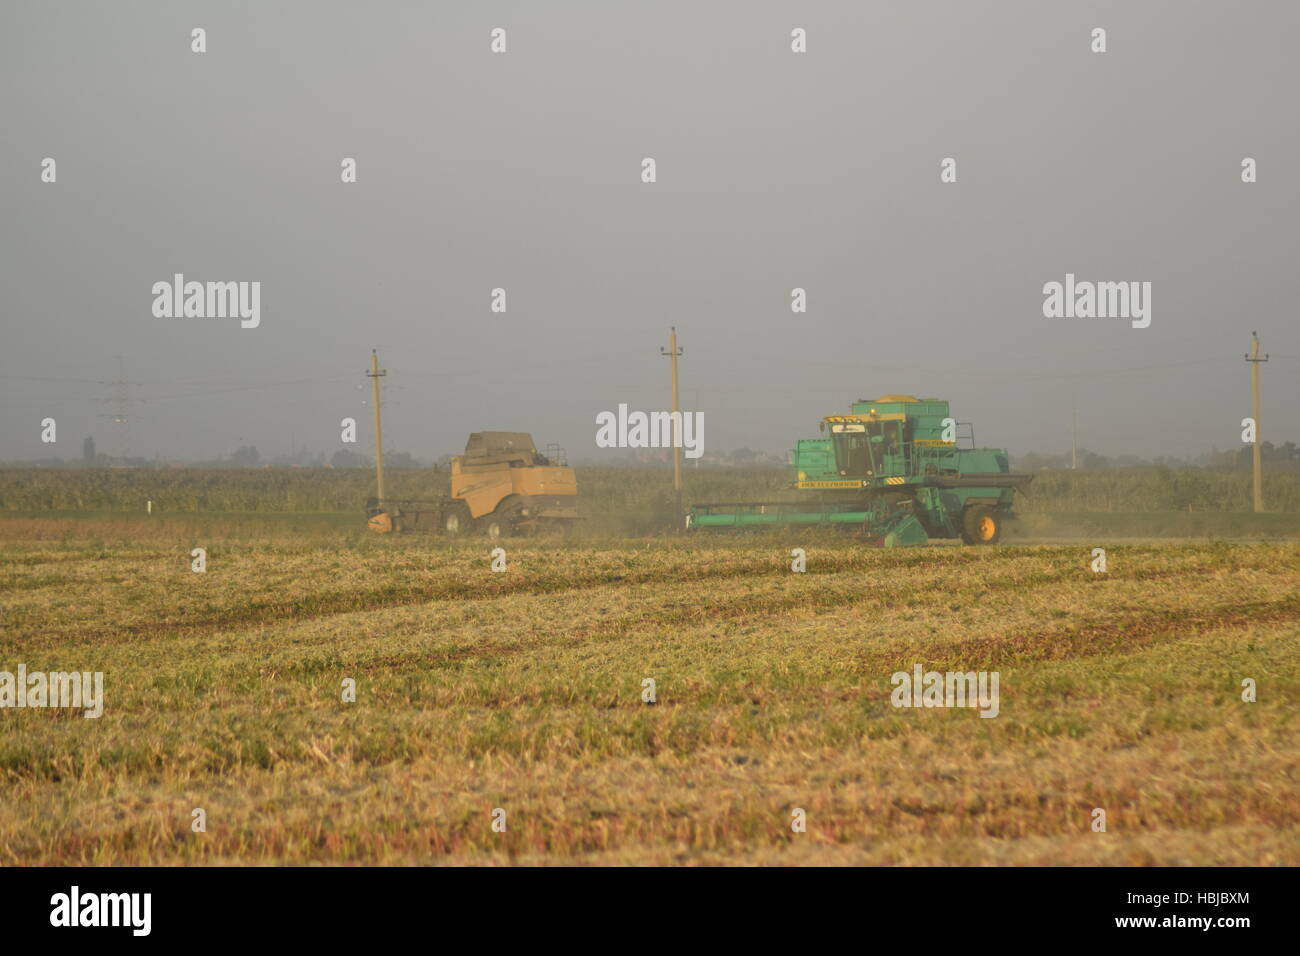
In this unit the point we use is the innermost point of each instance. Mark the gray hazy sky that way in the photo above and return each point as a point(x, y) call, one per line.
point(775, 170)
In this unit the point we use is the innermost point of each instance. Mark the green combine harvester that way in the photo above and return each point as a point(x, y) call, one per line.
point(894, 469)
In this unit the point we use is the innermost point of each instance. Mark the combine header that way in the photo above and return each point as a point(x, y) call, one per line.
point(894, 469)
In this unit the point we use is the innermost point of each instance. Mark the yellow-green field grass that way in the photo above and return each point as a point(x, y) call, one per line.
point(522, 691)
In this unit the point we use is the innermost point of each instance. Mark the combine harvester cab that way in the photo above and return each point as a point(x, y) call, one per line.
point(499, 486)
point(893, 468)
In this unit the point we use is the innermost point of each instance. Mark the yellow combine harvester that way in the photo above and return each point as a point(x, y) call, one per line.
point(500, 486)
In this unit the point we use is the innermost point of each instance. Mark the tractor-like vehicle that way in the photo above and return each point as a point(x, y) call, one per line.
point(895, 468)
point(500, 486)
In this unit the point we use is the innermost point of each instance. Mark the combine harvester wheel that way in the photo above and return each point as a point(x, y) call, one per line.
point(456, 520)
point(981, 525)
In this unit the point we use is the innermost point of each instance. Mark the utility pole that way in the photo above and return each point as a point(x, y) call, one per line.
point(672, 352)
point(1074, 434)
point(375, 375)
point(1254, 360)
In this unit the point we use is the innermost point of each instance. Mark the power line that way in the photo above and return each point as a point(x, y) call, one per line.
point(246, 388)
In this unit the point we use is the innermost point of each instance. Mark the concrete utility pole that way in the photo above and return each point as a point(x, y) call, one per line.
point(672, 352)
point(1254, 360)
point(375, 375)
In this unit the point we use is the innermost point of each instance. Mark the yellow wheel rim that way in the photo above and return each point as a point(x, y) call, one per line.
point(987, 527)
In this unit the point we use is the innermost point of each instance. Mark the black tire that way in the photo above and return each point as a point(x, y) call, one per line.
point(981, 525)
point(456, 520)
point(504, 521)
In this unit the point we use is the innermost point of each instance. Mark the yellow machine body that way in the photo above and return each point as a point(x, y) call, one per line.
point(498, 466)
point(501, 483)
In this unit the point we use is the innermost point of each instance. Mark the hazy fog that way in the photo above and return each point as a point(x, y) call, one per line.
point(523, 171)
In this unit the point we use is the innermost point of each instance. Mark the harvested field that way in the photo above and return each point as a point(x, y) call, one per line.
point(522, 690)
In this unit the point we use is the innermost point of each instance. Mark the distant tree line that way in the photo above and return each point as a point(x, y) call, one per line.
point(1286, 455)
point(245, 456)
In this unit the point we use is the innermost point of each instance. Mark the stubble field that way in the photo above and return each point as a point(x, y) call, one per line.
point(522, 691)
